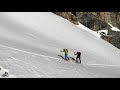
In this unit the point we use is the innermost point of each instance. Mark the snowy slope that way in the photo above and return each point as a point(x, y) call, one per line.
point(88, 30)
point(5, 73)
point(30, 43)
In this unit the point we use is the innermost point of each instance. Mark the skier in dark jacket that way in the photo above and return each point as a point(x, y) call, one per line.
point(78, 56)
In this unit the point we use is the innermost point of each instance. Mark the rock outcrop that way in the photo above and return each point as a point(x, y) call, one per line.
point(69, 16)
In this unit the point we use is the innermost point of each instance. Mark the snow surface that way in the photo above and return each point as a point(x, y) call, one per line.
point(114, 28)
point(104, 31)
point(31, 41)
point(82, 27)
point(4, 73)
point(95, 33)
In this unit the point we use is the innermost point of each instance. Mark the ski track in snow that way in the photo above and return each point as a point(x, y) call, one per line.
point(28, 52)
point(42, 72)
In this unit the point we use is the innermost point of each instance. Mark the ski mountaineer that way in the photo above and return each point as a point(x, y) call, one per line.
point(78, 56)
point(66, 54)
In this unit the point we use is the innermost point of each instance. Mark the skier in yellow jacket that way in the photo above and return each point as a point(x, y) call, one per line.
point(66, 54)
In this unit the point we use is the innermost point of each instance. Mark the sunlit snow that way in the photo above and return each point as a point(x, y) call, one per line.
point(31, 41)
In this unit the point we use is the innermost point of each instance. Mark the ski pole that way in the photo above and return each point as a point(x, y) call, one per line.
point(60, 52)
point(74, 55)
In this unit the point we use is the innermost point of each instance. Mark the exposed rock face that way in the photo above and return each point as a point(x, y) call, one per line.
point(69, 16)
point(97, 21)
point(92, 21)
point(100, 19)
point(115, 38)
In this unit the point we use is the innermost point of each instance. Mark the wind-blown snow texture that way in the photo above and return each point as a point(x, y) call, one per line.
point(31, 41)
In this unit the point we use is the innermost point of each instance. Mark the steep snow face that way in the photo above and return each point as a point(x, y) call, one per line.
point(88, 30)
point(30, 43)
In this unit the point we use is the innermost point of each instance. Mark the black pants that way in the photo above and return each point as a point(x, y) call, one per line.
point(78, 57)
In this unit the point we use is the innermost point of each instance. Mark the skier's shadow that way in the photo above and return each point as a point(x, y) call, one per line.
point(61, 56)
point(72, 58)
point(64, 58)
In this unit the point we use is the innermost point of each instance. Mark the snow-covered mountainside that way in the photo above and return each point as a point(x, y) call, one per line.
point(100, 22)
point(31, 41)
